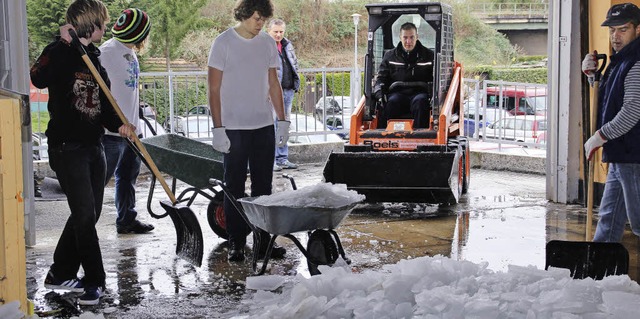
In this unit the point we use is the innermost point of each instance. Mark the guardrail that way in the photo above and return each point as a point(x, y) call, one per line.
point(177, 102)
point(490, 10)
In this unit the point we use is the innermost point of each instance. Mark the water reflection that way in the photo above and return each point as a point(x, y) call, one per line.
point(130, 292)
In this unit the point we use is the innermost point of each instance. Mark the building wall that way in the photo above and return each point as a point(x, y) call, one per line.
point(532, 42)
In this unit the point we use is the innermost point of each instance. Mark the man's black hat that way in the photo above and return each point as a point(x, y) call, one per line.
point(620, 14)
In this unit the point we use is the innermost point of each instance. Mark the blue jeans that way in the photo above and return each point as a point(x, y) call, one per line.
point(80, 170)
point(399, 104)
point(620, 202)
point(124, 164)
point(282, 153)
point(256, 148)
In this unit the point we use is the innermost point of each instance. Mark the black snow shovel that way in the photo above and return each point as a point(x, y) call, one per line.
point(588, 259)
point(190, 245)
point(593, 82)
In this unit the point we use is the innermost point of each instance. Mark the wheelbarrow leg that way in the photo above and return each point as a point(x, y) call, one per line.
point(267, 255)
point(340, 249)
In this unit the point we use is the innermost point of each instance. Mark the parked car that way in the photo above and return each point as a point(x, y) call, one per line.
point(333, 105)
point(518, 100)
point(150, 127)
point(147, 110)
point(200, 110)
point(194, 126)
point(521, 128)
point(339, 122)
point(303, 123)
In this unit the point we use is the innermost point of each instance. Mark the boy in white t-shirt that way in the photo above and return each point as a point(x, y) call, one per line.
point(118, 56)
point(243, 84)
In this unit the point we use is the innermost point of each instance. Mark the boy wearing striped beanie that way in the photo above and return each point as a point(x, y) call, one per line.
point(118, 56)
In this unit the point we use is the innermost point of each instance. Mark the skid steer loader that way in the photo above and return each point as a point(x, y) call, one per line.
point(400, 163)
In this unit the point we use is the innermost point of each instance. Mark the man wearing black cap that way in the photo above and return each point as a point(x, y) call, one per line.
point(618, 124)
point(118, 56)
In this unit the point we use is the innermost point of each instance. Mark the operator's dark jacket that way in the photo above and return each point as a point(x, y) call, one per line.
point(397, 65)
point(624, 149)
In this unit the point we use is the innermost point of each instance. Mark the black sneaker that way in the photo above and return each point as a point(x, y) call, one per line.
point(91, 296)
point(73, 284)
point(236, 252)
point(136, 227)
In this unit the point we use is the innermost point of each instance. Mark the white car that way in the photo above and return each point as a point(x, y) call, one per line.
point(301, 123)
point(521, 128)
point(333, 105)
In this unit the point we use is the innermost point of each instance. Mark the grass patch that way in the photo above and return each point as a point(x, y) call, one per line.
point(39, 121)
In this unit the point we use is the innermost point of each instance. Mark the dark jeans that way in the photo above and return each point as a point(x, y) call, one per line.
point(80, 170)
point(256, 148)
point(400, 104)
point(122, 162)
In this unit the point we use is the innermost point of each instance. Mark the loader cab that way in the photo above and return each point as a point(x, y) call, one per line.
point(435, 31)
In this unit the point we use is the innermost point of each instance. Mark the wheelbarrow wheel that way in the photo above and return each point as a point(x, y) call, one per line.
point(322, 249)
point(216, 219)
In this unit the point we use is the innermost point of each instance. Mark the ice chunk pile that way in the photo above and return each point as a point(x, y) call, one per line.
point(439, 287)
point(323, 195)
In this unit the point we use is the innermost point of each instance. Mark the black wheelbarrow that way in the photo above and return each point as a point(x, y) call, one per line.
point(323, 245)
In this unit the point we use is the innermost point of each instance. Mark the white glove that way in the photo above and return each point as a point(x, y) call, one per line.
point(589, 65)
point(220, 140)
point(282, 133)
point(593, 144)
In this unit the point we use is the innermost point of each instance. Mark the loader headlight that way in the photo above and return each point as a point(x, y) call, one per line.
point(375, 10)
point(433, 9)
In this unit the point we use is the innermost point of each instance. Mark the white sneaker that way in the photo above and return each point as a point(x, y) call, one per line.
point(276, 168)
point(288, 165)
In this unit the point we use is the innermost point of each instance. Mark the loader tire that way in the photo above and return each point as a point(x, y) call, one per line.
point(322, 249)
point(215, 217)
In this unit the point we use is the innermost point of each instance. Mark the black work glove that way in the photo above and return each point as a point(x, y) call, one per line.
point(378, 95)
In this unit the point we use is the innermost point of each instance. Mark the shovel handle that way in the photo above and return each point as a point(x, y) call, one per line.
point(596, 77)
point(107, 92)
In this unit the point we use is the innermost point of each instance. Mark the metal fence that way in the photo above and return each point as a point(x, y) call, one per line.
point(177, 102)
point(506, 112)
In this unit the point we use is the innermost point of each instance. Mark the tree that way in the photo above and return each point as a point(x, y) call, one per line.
point(44, 18)
point(171, 20)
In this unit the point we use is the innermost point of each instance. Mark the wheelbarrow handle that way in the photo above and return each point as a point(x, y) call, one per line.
point(156, 172)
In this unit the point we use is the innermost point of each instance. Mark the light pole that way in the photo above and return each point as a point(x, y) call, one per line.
point(355, 82)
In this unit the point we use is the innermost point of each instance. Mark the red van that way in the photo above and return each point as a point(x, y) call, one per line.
point(518, 100)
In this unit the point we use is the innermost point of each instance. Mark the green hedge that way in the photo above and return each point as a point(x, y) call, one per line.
point(184, 96)
point(525, 75)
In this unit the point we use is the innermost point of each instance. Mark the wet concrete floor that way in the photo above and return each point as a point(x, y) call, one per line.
point(504, 219)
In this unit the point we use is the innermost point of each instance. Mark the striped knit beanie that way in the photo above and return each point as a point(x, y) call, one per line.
point(132, 26)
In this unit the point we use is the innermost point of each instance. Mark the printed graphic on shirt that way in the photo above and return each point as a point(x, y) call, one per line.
point(86, 95)
point(133, 70)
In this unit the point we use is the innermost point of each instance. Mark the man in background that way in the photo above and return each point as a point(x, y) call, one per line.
point(288, 76)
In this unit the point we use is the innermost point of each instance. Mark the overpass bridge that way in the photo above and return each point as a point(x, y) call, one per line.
point(524, 24)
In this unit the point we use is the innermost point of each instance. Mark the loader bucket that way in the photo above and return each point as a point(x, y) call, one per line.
point(424, 177)
point(190, 245)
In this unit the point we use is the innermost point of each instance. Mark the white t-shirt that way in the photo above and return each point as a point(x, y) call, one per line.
point(244, 92)
point(123, 69)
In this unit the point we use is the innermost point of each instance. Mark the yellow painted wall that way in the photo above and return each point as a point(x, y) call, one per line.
point(13, 277)
point(599, 41)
